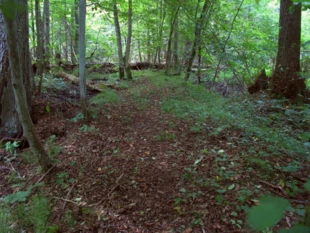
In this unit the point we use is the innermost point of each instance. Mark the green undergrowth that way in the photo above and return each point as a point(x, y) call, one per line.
point(31, 216)
point(282, 127)
point(51, 82)
point(106, 96)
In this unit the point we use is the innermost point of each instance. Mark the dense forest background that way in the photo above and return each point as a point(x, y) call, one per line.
point(154, 116)
point(240, 36)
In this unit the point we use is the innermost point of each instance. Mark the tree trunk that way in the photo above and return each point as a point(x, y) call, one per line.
point(285, 80)
point(176, 44)
point(33, 30)
point(19, 90)
point(82, 61)
point(148, 45)
point(169, 49)
point(47, 37)
point(119, 41)
point(39, 45)
point(76, 36)
point(198, 28)
point(22, 25)
point(162, 17)
point(128, 42)
point(10, 126)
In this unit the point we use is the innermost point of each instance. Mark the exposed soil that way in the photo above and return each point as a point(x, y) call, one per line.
point(141, 170)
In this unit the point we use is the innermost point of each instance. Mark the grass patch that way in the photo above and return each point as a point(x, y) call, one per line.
point(107, 96)
point(282, 128)
point(33, 216)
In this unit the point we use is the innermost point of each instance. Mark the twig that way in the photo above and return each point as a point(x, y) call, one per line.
point(273, 186)
point(111, 191)
point(68, 195)
point(67, 200)
point(42, 177)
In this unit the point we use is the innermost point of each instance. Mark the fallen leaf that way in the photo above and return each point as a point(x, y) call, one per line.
point(188, 230)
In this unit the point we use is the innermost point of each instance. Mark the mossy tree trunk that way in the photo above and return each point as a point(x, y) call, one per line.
point(17, 82)
point(286, 80)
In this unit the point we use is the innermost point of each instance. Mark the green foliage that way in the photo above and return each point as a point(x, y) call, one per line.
point(51, 82)
point(63, 180)
point(166, 136)
point(32, 216)
point(6, 219)
point(307, 185)
point(78, 117)
point(268, 213)
point(20, 196)
point(85, 128)
point(105, 97)
point(53, 149)
point(296, 229)
point(194, 103)
point(273, 208)
point(11, 147)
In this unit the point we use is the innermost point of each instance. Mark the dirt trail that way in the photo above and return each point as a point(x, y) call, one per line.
point(134, 168)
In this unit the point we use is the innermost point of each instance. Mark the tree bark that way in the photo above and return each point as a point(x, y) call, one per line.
point(82, 60)
point(10, 126)
point(39, 45)
point(286, 80)
point(119, 41)
point(19, 90)
point(128, 42)
point(47, 37)
point(22, 25)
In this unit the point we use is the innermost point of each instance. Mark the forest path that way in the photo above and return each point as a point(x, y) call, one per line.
point(135, 168)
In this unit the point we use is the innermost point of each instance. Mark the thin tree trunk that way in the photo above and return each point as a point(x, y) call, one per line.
point(76, 37)
point(176, 44)
point(82, 61)
point(169, 50)
point(47, 37)
point(119, 41)
point(39, 45)
point(139, 48)
point(162, 18)
point(20, 93)
point(33, 30)
point(148, 45)
point(226, 41)
point(198, 28)
point(128, 42)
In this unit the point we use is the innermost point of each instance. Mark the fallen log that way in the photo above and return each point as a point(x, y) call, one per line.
point(94, 86)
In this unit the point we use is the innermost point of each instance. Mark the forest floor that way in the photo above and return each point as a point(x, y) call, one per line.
point(158, 155)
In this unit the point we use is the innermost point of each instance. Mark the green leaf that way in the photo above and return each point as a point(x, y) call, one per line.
point(231, 187)
point(271, 208)
point(20, 196)
point(296, 229)
point(307, 185)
